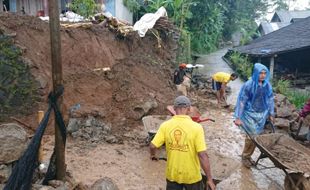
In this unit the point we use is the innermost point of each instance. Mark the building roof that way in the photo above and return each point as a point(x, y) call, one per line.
point(287, 16)
point(268, 27)
point(290, 38)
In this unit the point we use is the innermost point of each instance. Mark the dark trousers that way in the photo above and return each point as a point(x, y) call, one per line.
point(176, 186)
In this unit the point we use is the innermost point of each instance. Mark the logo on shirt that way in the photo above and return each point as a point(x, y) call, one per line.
point(178, 140)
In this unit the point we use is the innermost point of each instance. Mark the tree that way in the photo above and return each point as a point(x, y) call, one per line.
point(85, 8)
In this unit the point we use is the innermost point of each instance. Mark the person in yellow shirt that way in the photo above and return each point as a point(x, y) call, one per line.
point(186, 149)
point(219, 83)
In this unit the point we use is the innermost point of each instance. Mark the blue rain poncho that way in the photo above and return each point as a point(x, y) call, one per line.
point(255, 102)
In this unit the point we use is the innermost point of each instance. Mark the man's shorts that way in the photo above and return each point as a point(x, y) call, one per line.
point(216, 85)
point(176, 186)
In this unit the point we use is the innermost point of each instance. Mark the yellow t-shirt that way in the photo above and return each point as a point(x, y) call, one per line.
point(183, 139)
point(221, 77)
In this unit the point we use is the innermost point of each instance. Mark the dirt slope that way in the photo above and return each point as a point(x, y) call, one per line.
point(140, 71)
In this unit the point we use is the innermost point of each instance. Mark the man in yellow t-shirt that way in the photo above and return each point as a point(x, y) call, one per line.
point(219, 82)
point(186, 149)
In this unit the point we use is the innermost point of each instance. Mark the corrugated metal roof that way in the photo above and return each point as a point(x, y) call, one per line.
point(292, 37)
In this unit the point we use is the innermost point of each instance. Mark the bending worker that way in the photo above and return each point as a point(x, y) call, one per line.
point(180, 79)
point(219, 83)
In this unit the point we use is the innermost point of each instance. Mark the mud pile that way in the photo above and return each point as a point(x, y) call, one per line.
point(117, 79)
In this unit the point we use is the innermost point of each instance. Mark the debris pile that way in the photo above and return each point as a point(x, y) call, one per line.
point(285, 113)
point(91, 129)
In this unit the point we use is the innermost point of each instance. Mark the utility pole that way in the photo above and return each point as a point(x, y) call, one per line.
point(57, 81)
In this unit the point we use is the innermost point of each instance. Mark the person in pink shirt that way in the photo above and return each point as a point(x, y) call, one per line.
point(304, 116)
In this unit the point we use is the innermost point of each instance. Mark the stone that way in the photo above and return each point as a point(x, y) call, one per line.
point(282, 123)
point(41, 187)
point(72, 125)
point(13, 142)
point(283, 112)
point(42, 82)
point(143, 109)
point(111, 139)
point(104, 184)
point(279, 98)
point(89, 122)
point(5, 172)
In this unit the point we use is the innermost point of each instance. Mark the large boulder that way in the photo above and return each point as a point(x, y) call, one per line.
point(13, 142)
point(279, 98)
point(104, 184)
point(282, 123)
point(144, 108)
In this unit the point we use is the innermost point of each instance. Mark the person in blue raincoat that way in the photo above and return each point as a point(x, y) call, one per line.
point(254, 106)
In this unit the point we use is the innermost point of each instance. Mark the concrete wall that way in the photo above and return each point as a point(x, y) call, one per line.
point(122, 13)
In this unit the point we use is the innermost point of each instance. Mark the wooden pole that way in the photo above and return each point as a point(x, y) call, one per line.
point(271, 67)
point(57, 81)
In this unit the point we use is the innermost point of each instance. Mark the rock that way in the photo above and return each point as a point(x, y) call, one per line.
point(111, 139)
point(41, 187)
point(293, 116)
point(28, 62)
point(56, 183)
point(282, 123)
point(72, 125)
point(145, 108)
point(42, 82)
point(5, 172)
point(104, 184)
point(279, 98)
point(13, 142)
point(89, 122)
point(283, 112)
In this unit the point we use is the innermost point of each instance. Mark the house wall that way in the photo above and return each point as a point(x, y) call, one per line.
point(122, 13)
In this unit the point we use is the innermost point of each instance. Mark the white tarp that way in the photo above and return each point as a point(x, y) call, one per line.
point(67, 17)
point(148, 21)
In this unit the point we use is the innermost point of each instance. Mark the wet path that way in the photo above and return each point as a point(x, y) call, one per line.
point(225, 141)
point(214, 63)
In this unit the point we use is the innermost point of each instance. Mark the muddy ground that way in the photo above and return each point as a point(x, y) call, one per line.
point(140, 72)
point(136, 70)
point(130, 168)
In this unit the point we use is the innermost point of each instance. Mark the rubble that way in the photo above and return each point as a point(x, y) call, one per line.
point(285, 113)
point(104, 184)
point(13, 142)
point(5, 172)
point(91, 129)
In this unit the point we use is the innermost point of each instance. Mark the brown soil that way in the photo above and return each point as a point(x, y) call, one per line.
point(139, 70)
point(287, 151)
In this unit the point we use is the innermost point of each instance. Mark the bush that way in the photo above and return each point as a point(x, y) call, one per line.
point(241, 64)
point(298, 98)
point(281, 86)
point(85, 8)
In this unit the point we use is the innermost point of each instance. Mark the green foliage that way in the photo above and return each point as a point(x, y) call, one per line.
point(85, 8)
point(17, 89)
point(207, 30)
point(281, 86)
point(132, 5)
point(241, 64)
point(281, 4)
point(207, 22)
point(296, 97)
